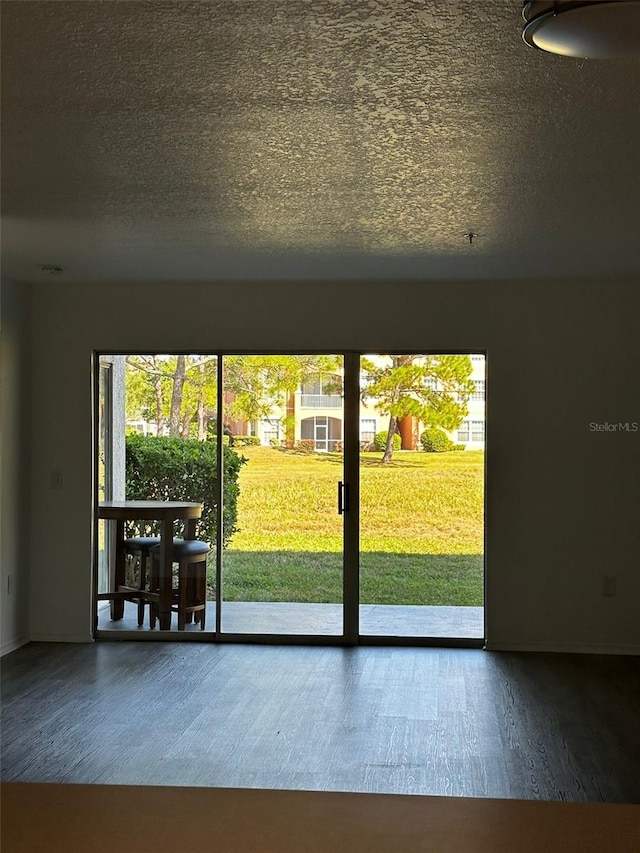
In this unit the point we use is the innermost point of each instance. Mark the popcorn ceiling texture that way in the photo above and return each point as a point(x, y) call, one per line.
point(194, 134)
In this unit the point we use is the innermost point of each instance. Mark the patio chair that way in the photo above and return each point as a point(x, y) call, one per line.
point(190, 597)
point(140, 548)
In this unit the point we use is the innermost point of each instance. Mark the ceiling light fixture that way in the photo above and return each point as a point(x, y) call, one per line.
point(588, 29)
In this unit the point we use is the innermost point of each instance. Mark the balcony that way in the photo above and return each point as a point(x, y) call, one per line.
point(320, 401)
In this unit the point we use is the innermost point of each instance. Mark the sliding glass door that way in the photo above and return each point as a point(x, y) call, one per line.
point(342, 493)
point(421, 496)
point(282, 566)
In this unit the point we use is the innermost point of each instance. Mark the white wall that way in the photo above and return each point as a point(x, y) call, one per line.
point(14, 466)
point(562, 501)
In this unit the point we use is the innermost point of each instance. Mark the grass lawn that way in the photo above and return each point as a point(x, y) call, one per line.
point(421, 535)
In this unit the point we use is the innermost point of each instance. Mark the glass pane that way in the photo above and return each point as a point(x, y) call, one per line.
point(170, 438)
point(282, 563)
point(421, 514)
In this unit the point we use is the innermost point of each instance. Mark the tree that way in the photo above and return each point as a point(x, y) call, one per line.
point(205, 384)
point(433, 388)
point(148, 385)
point(176, 396)
point(181, 390)
point(198, 396)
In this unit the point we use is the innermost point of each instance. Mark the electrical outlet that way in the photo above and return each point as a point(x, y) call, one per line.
point(609, 585)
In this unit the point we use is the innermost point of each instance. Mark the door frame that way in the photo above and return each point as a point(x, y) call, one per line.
point(351, 517)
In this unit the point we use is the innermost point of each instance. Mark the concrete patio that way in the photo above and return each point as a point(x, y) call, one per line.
point(258, 617)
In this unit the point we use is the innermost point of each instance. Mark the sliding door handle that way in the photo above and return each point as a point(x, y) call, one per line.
point(343, 497)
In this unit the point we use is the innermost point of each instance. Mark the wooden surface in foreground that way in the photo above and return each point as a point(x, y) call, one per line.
point(118, 819)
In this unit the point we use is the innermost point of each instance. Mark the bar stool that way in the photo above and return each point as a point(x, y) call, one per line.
point(140, 548)
point(190, 597)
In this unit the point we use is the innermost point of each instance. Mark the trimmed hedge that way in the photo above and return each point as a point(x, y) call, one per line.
point(246, 441)
point(435, 441)
point(184, 469)
point(380, 441)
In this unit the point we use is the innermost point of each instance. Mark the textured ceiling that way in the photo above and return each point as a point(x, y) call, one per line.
point(311, 139)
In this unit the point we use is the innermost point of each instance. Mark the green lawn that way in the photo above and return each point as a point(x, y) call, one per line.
point(421, 529)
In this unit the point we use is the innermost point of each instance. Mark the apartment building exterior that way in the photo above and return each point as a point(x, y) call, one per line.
point(317, 413)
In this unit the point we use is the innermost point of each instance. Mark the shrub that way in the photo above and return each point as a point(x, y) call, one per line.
point(380, 441)
point(183, 469)
point(246, 441)
point(459, 447)
point(307, 445)
point(435, 441)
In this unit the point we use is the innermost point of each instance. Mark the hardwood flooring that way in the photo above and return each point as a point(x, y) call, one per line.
point(444, 722)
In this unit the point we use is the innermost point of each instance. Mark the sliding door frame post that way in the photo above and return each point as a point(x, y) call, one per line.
point(219, 491)
point(351, 517)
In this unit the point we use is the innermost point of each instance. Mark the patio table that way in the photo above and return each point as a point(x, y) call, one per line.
point(167, 513)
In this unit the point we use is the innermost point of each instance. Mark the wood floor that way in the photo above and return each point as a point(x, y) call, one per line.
point(444, 722)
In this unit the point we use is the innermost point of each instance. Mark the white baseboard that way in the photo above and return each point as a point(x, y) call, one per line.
point(12, 645)
point(61, 638)
point(572, 648)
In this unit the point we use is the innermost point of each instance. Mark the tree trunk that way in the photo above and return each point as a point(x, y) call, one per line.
point(176, 396)
point(186, 422)
point(289, 420)
point(202, 420)
point(388, 451)
point(396, 361)
point(159, 405)
point(202, 413)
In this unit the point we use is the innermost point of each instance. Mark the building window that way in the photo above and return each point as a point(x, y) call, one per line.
point(367, 430)
point(480, 393)
point(321, 394)
point(270, 432)
point(470, 431)
point(463, 432)
point(325, 432)
point(477, 430)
